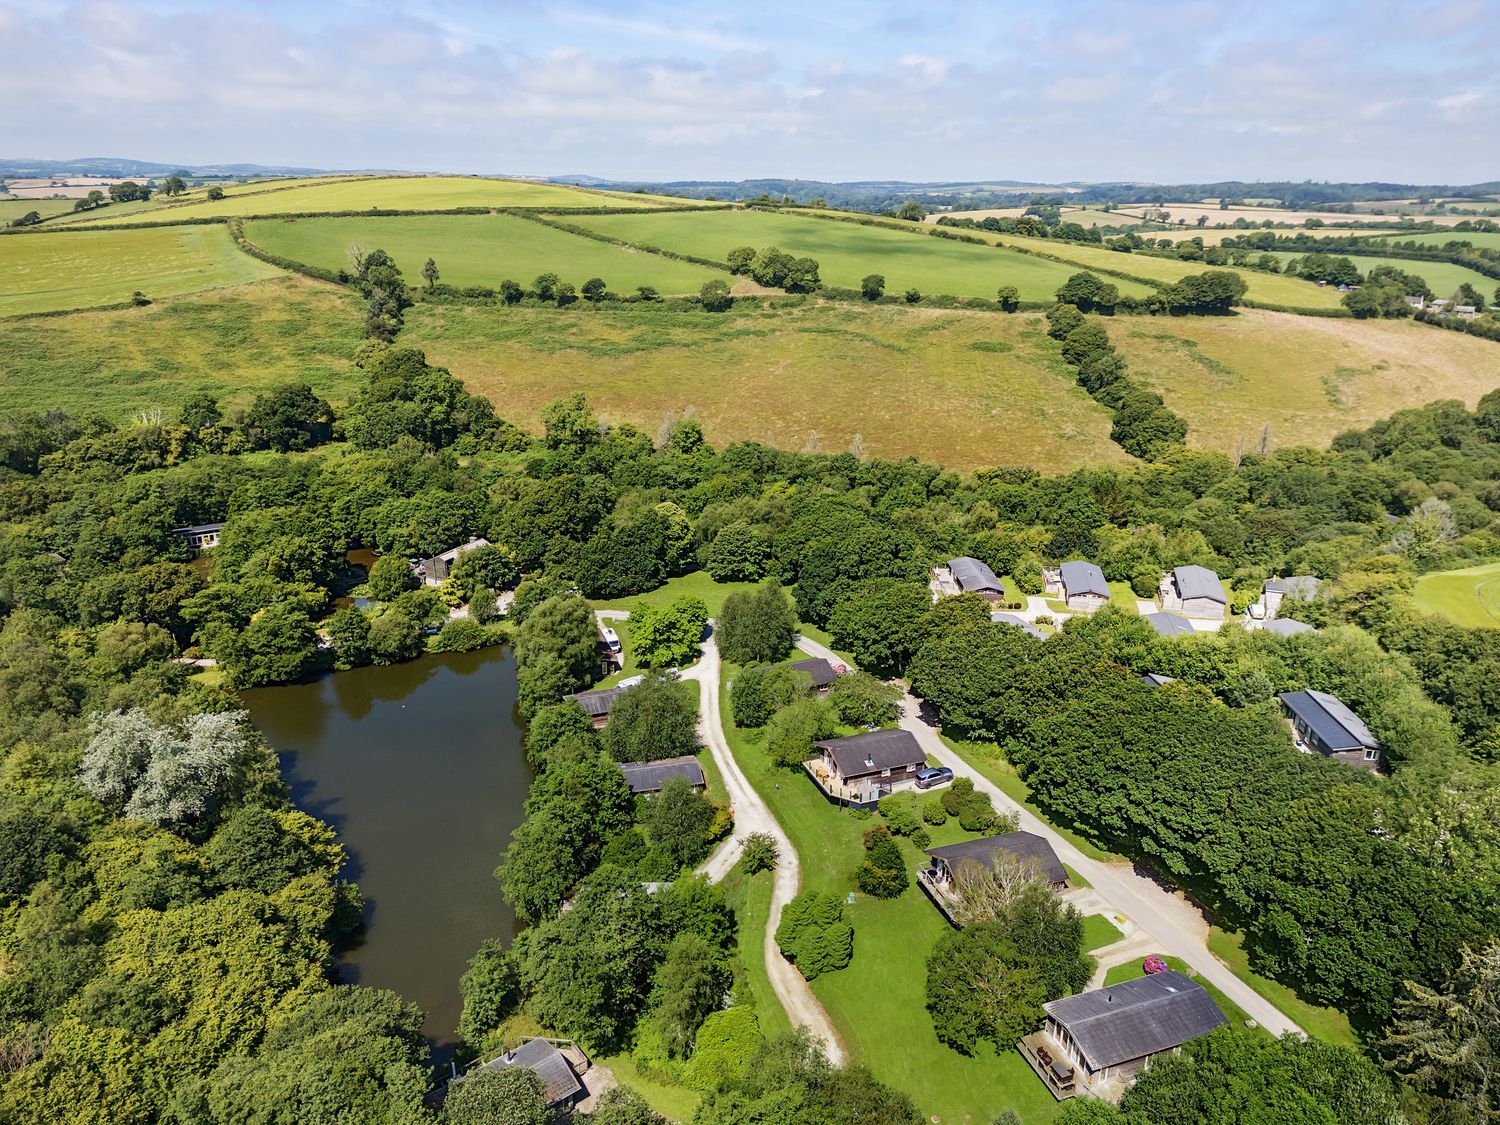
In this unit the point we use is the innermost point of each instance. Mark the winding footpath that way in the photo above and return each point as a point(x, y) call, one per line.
point(1174, 926)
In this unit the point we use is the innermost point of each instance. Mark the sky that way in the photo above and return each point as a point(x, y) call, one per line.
point(1150, 90)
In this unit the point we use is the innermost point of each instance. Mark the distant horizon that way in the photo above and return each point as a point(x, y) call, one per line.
point(639, 90)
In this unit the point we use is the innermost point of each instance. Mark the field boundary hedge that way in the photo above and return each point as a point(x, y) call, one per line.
point(237, 232)
point(599, 236)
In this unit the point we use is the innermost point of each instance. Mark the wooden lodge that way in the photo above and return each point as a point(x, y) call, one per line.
point(863, 768)
point(939, 879)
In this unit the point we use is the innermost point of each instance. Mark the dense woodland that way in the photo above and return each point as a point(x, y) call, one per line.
point(168, 921)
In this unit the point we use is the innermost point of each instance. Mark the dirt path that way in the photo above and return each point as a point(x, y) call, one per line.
point(1173, 924)
point(752, 814)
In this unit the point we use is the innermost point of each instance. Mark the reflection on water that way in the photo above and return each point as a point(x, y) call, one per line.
point(420, 768)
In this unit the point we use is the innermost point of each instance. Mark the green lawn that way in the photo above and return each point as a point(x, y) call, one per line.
point(1130, 970)
point(229, 343)
point(1123, 598)
point(476, 250)
point(47, 272)
point(749, 897)
point(1444, 277)
point(846, 252)
point(387, 193)
point(676, 1103)
point(878, 1002)
point(1099, 931)
point(697, 584)
point(13, 209)
point(1469, 597)
point(1328, 1024)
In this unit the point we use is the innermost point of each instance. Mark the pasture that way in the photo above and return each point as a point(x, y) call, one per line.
point(1444, 277)
point(477, 250)
point(1486, 239)
point(1271, 288)
point(1308, 377)
point(1467, 597)
point(13, 209)
point(86, 269)
point(846, 252)
point(400, 193)
point(963, 389)
point(231, 344)
point(1223, 216)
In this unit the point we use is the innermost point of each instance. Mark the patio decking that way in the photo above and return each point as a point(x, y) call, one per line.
point(940, 891)
point(866, 793)
point(1051, 1064)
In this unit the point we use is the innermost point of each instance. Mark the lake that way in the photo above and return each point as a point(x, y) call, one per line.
point(421, 770)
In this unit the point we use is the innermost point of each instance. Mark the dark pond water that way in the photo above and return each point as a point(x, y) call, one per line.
point(421, 770)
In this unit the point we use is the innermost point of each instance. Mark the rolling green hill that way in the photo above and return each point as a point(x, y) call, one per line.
point(1444, 277)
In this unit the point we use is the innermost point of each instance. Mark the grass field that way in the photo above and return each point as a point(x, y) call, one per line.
point(698, 584)
point(1268, 287)
point(1310, 378)
point(1444, 277)
point(1328, 1024)
point(229, 343)
point(13, 209)
point(1257, 215)
point(400, 193)
point(846, 252)
point(47, 272)
point(964, 389)
point(477, 250)
point(1468, 597)
point(1490, 239)
point(878, 1002)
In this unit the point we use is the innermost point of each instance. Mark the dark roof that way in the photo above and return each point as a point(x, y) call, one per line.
point(1156, 1012)
point(1156, 679)
point(973, 575)
point(1169, 624)
point(819, 669)
point(198, 529)
point(595, 703)
point(1198, 582)
point(1303, 586)
point(559, 1082)
point(1022, 845)
point(1286, 627)
point(862, 754)
point(648, 777)
point(1330, 719)
point(1019, 623)
point(1079, 577)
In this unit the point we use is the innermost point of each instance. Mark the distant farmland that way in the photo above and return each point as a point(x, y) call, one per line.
point(477, 250)
point(410, 193)
point(1469, 597)
point(848, 251)
point(1490, 239)
point(1444, 277)
point(85, 269)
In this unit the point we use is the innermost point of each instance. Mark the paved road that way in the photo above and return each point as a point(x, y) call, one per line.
point(752, 814)
point(1175, 926)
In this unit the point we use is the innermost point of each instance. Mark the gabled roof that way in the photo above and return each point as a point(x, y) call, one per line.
point(649, 777)
point(453, 552)
point(1138, 1017)
point(1194, 581)
point(1018, 622)
point(1168, 624)
point(1286, 627)
point(1156, 679)
point(1302, 586)
point(1328, 717)
point(559, 1082)
point(198, 529)
point(973, 576)
point(1022, 845)
point(818, 668)
point(1079, 577)
point(596, 703)
point(862, 754)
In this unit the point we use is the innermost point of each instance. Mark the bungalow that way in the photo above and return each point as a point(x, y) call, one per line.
point(1082, 586)
point(1299, 588)
point(822, 672)
point(1194, 591)
point(435, 570)
point(1323, 724)
point(596, 703)
point(1019, 623)
point(203, 537)
point(1169, 624)
point(1105, 1036)
point(861, 769)
point(938, 879)
point(974, 577)
point(561, 1086)
point(1465, 312)
point(649, 777)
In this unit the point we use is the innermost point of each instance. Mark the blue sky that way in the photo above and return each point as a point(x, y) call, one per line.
point(1159, 91)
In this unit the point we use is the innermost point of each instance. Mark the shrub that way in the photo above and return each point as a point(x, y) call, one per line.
point(953, 797)
point(723, 1047)
point(921, 839)
point(977, 813)
point(883, 873)
point(463, 634)
point(934, 812)
point(913, 296)
point(815, 935)
point(760, 853)
point(899, 815)
point(758, 693)
point(715, 297)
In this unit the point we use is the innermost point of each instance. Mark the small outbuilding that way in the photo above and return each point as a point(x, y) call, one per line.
point(863, 768)
point(596, 704)
point(1286, 627)
point(1323, 724)
point(1156, 679)
point(822, 672)
point(1297, 588)
point(649, 777)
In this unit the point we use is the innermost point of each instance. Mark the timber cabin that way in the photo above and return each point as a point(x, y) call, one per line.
point(822, 672)
point(863, 768)
point(938, 879)
point(1193, 591)
point(1323, 724)
point(1080, 584)
point(203, 537)
point(649, 777)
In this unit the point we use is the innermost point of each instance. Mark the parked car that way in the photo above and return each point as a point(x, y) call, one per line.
point(933, 775)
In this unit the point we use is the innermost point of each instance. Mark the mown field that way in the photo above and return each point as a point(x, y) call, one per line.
point(964, 389)
point(1270, 288)
point(1309, 377)
point(13, 209)
point(477, 250)
point(1487, 239)
point(846, 252)
point(1444, 277)
point(1468, 597)
point(232, 344)
point(400, 193)
point(85, 269)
